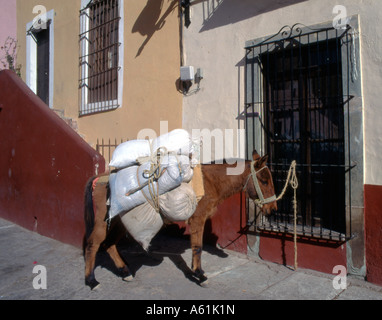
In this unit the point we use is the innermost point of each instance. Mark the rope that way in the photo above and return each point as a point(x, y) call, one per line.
point(154, 173)
point(293, 182)
point(294, 185)
point(291, 179)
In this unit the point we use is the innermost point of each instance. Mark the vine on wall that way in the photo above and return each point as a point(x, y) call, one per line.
point(8, 56)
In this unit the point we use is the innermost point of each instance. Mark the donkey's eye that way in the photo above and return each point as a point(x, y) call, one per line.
point(264, 182)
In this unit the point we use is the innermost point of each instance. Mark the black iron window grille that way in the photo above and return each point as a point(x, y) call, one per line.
point(297, 108)
point(99, 56)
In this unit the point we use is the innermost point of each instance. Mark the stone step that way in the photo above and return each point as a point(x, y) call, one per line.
point(69, 121)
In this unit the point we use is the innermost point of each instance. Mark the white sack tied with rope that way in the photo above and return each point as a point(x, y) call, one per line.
point(144, 222)
point(175, 170)
point(128, 153)
point(178, 204)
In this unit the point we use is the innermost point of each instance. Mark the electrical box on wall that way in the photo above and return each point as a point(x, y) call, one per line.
point(187, 73)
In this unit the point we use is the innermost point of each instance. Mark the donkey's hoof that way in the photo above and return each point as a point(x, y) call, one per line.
point(203, 281)
point(96, 285)
point(128, 278)
point(93, 284)
point(204, 284)
point(126, 274)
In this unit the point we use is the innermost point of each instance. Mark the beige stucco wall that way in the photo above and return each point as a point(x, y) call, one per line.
point(215, 42)
point(65, 48)
point(151, 67)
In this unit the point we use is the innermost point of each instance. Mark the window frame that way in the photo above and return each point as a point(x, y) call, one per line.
point(31, 55)
point(86, 107)
point(353, 122)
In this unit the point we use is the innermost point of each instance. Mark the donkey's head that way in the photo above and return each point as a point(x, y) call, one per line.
point(259, 184)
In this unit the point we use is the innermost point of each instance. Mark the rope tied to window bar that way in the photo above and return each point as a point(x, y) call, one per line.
point(294, 185)
point(293, 182)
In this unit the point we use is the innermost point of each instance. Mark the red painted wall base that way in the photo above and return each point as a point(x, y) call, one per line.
point(312, 254)
point(228, 224)
point(373, 233)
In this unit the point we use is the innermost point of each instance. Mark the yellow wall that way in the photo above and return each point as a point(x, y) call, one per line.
point(66, 46)
point(151, 66)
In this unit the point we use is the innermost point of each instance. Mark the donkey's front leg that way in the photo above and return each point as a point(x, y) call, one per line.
point(116, 233)
point(123, 269)
point(92, 246)
point(197, 247)
point(197, 223)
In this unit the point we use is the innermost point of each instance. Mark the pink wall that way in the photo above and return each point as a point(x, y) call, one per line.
point(8, 23)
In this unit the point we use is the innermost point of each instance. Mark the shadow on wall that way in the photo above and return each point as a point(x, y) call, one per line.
point(218, 13)
point(152, 20)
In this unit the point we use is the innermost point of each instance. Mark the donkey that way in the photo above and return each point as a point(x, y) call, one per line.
point(255, 180)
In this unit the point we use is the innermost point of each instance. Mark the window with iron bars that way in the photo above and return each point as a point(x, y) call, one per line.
point(297, 108)
point(100, 56)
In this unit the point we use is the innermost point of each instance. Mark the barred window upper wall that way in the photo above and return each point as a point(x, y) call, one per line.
point(101, 54)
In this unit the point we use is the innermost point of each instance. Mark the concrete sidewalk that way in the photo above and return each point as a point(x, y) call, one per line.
point(164, 276)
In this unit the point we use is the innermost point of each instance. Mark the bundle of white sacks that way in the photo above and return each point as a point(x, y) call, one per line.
point(127, 154)
point(177, 200)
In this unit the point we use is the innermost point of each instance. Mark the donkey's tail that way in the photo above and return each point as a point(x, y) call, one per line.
point(89, 208)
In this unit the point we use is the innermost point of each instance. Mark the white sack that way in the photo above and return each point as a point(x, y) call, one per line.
point(126, 180)
point(127, 153)
point(178, 141)
point(142, 223)
point(172, 163)
point(178, 204)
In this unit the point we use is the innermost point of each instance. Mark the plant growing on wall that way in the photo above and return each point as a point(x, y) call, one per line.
point(8, 55)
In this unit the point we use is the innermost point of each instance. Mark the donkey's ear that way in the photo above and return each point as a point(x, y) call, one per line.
point(255, 155)
point(261, 161)
point(264, 159)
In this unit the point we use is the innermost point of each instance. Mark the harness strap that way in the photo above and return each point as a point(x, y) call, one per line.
point(261, 201)
point(94, 183)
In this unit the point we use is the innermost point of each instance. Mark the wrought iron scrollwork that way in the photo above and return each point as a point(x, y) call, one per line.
point(287, 33)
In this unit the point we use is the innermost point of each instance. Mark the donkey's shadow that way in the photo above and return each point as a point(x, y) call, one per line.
point(170, 242)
